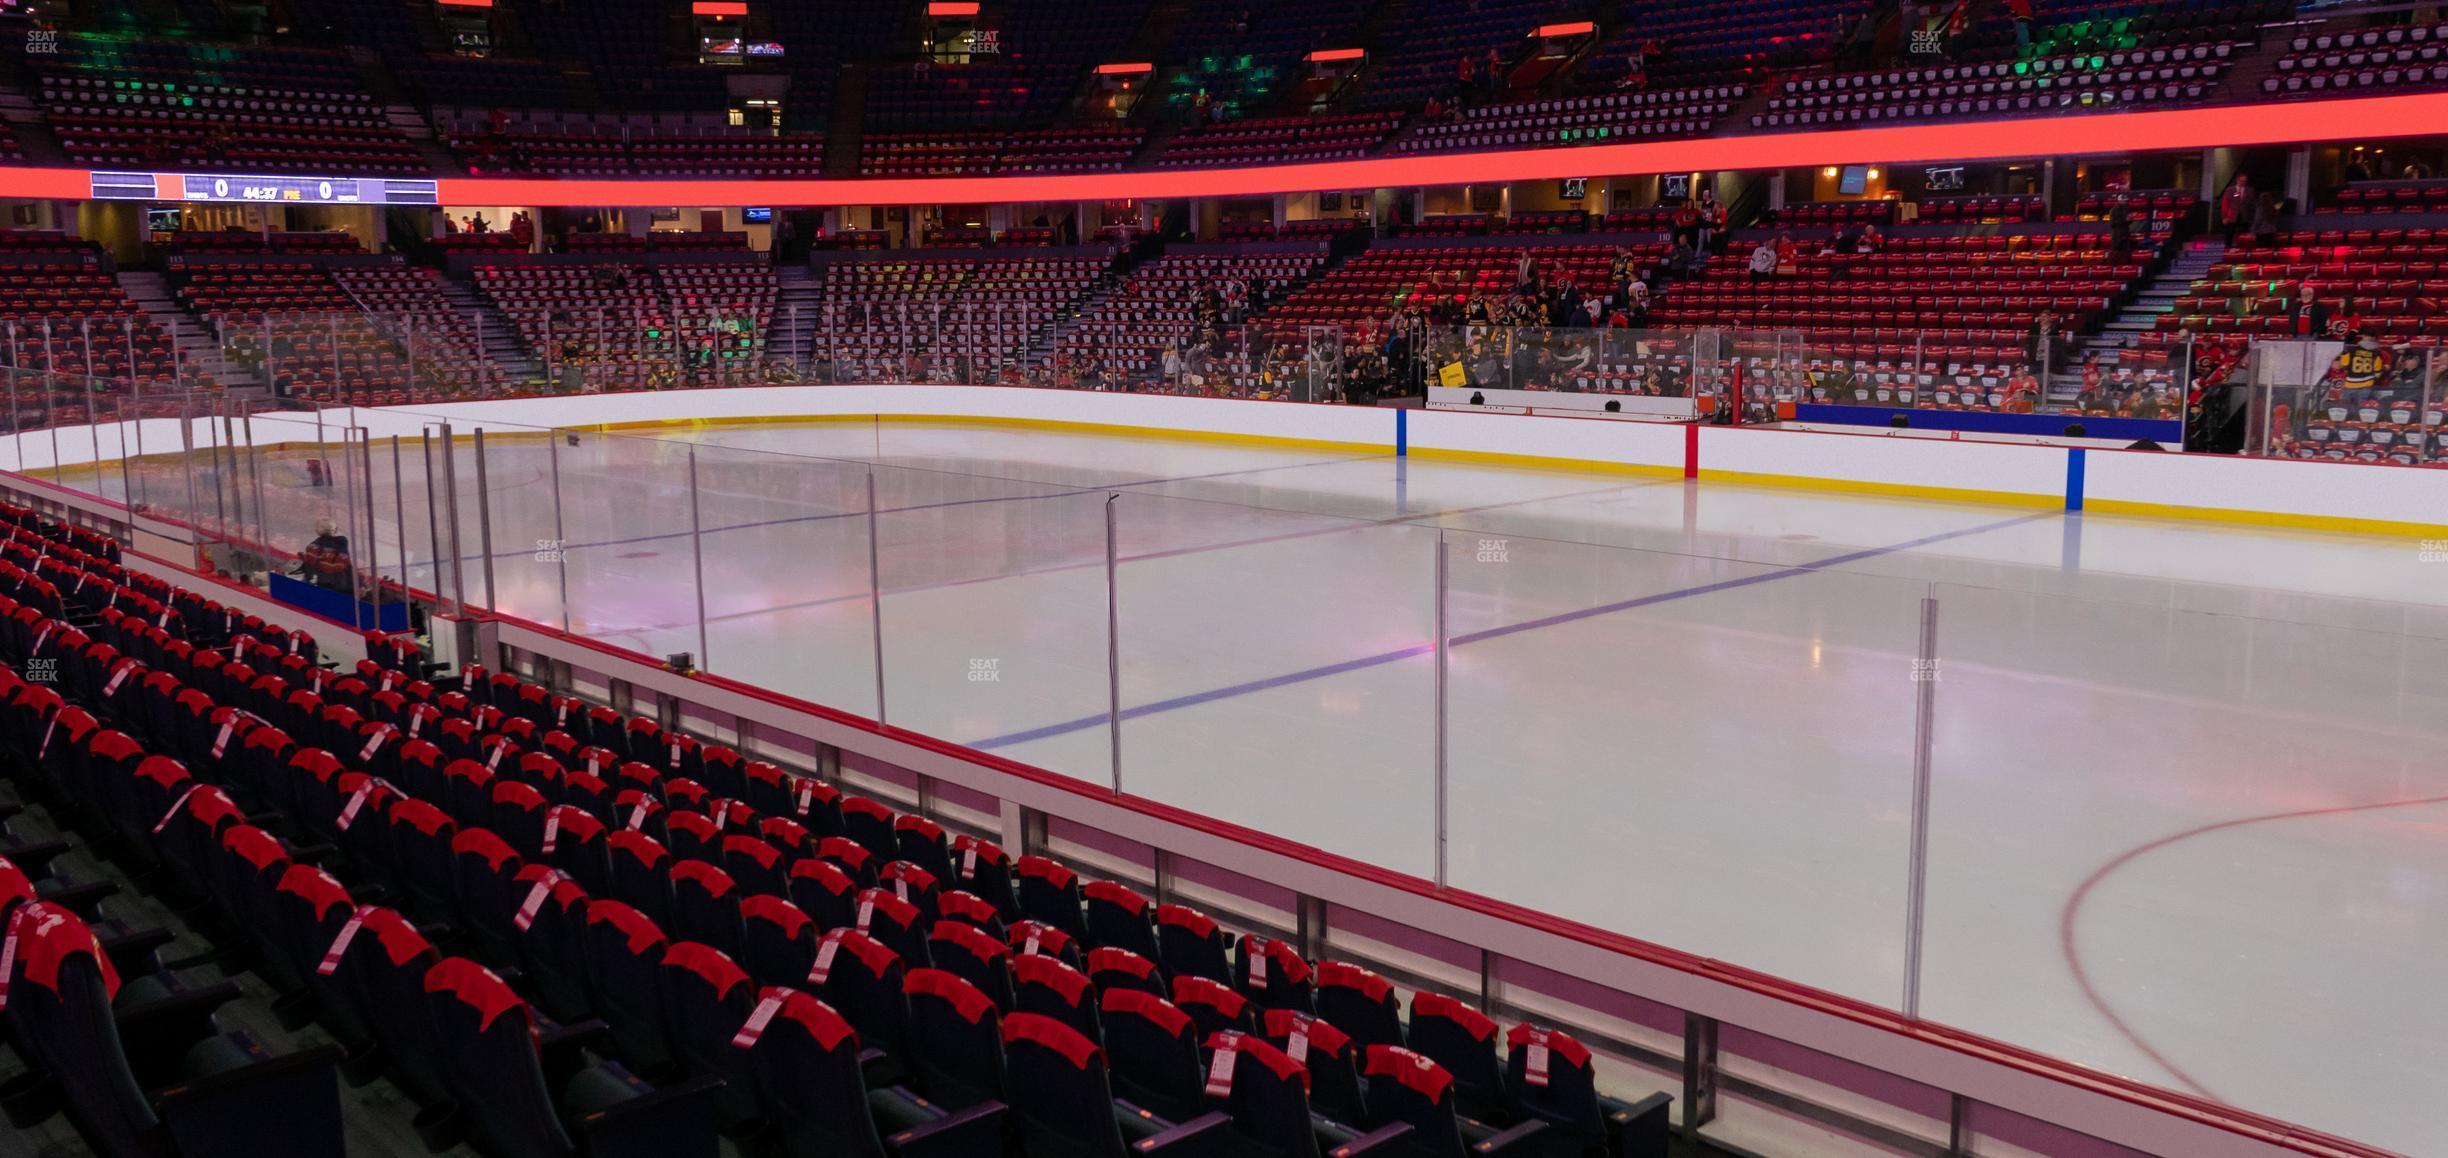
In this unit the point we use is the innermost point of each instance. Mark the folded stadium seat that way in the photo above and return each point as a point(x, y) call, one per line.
point(94, 782)
point(1118, 917)
point(1063, 1104)
point(756, 866)
point(641, 874)
point(955, 1035)
point(643, 740)
point(517, 815)
point(1463, 1041)
point(1548, 1077)
point(1329, 1054)
point(542, 770)
point(870, 824)
point(898, 924)
point(852, 856)
point(1122, 969)
point(467, 791)
point(1050, 893)
point(361, 824)
point(786, 834)
point(1408, 1089)
point(972, 910)
point(1190, 944)
point(1153, 1048)
point(720, 768)
point(309, 907)
point(184, 1088)
point(974, 956)
point(810, 1076)
point(1214, 1006)
point(921, 842)
point(194, 839)
point(1359, 1003)
point(420, 837)
point(910, 883)
point(379, 961)
point(816, 804)
point(824, 891)
point(691, 835)
point(638, 810)
point(777, 940)
point(1267, 1095)
point(489, 893)
point(511, 1109)
point(861, 979)
point(551, 924)
point(1045, 986)
point(241, 879)
point(624, 959)
point(573, 841)
point(704, 905)
point(766, 787)
point(419, 768)
point(707, 997)
point(979, 866)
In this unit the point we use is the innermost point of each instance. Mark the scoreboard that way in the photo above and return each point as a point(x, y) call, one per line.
point(265, 190)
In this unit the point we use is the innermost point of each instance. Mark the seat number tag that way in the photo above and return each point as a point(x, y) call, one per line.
point(1219, 1074)
point(757, 1021)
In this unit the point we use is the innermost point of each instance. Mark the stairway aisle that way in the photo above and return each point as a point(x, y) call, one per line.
point(199, 349)
point(798, 317)
point(511, 361)
point(2154, 301)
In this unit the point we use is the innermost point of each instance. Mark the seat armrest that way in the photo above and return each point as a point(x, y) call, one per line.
point(1381, 1140)
point(224, 1115)
point(165, 1028)
point(34, 858)
point(1208, 1134)
point(131, 953)
point(1514, 1140)
point(675, 1121)
point(82, 899)
point(561, 1049)
point(1638, 1129)
point(975, 1130)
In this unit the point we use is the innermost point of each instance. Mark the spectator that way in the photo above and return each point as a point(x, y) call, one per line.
point(2265, 221)
point(2120, 229)
point(1870, 241)
point(1681, 260)
point(2236, 206)
point(2021, 10)
point(1712, 219)
point(1764, 260)
point(1687, 223)
point(2308, 318)
point(2416, 171)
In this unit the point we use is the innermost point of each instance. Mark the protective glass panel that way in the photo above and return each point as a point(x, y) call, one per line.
point(1277, 673)
point(2195, 848)
point(1614, 713)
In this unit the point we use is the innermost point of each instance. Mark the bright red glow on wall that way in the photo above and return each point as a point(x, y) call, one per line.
point(718, 8)
point(1329, 55)
point(1126, 68)
point(952, 8)
point(1575, 28)
point(2104, 134)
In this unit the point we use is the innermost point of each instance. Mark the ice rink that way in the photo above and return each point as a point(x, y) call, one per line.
point(2189, 807)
